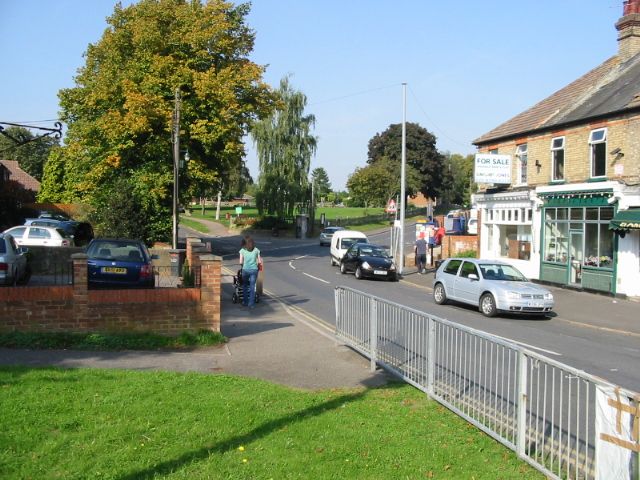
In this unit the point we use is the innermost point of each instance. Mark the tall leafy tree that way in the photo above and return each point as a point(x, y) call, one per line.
point(422, 155)
point(119, 113)
point(29, 150)
point(457, 184)
point(321, 182)
point(285, 145)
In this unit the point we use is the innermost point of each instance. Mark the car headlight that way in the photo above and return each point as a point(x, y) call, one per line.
point(513, 295)
point(548, 296)
point(366, 266)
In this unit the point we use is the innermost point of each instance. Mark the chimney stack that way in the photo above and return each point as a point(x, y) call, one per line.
point(629, 30)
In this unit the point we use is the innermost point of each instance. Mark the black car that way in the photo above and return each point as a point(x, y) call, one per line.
point(119, 263)
point(369, 261)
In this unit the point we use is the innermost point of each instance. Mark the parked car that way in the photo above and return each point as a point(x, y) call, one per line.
point(119, 263)
point(81, 232)
point(40, 236)
point(492, 285)
point(341, 241)
point(369, 261)
point(327, 233)
point(14, 265)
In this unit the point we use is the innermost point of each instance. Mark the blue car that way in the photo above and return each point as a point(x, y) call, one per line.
point(119, 263)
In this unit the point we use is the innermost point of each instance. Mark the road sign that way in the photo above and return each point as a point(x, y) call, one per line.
point(391, 206)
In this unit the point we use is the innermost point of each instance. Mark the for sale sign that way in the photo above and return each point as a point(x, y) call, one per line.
point(492, 168)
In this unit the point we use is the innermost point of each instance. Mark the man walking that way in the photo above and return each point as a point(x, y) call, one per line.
point(420, 250)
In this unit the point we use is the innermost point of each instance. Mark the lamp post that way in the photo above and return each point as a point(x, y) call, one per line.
point(402, 175)
point(175, 139)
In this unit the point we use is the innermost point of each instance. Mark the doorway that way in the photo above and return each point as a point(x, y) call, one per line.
point(576, 256)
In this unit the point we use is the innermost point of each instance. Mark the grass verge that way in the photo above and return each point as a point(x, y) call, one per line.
point(109, 341)
point(78, 424)
point(194, 225)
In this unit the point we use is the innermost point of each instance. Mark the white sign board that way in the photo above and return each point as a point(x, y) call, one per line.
point(491, 168)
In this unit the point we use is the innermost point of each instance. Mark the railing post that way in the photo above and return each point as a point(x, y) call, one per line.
point(373, 332)
point(336, 295)
point(431, 355)
point(521, 429)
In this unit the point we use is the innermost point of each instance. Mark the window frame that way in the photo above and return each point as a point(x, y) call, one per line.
point(592, 152)
point(522, 153)
point(554, 151)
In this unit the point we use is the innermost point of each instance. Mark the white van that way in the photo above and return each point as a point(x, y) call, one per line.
point(341, 241)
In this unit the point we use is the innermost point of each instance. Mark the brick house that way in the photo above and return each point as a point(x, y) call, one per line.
point(571, 214)
point(10, 170)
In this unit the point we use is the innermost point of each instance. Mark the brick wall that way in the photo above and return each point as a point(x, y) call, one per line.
point(622, 132)
point(167, 311)
point(454, 244)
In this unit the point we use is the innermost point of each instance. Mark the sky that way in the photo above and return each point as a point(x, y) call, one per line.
point(469, 65)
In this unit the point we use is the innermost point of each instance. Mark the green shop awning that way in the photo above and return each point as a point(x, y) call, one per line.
point(626, 220)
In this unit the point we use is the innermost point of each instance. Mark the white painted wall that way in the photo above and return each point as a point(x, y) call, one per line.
point(629, 265)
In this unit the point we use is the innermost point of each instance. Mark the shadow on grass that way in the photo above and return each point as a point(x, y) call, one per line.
point(171, 466)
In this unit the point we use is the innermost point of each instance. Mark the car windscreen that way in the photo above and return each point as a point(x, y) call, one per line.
point(116, 251)
point(497, 271)
point(374, 252)
point(347, 242)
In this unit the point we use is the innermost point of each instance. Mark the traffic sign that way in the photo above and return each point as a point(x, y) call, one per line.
point(391, 206)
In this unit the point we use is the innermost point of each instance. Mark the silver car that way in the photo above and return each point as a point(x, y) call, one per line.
point(14, 267)
point(492, 285)
point(327, 233)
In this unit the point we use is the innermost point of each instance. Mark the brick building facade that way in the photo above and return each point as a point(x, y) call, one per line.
point(575, 167)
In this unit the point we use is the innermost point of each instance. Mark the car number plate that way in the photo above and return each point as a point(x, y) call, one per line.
point(535, 304)
point(118, 270)
point(379, 272)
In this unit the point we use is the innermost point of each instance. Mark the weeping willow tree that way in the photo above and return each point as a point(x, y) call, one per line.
point(284, 145)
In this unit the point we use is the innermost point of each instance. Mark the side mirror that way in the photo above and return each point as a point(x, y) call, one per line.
point(472, 276)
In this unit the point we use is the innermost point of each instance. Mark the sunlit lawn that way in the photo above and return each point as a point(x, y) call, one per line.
point(79, 424)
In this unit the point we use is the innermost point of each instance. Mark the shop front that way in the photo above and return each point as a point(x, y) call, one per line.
point(578, 248)
point(626, 226)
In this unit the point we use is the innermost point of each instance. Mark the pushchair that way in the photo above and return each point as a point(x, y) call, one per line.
point(238, 289)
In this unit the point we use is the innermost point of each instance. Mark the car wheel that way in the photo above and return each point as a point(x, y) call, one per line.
point(439, 295)
point(488, 305)
point(343, 269)
point(332, 262)
point(358, 273)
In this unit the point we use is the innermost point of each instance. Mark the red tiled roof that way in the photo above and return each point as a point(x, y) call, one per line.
point(20, 176)
point(556, 109)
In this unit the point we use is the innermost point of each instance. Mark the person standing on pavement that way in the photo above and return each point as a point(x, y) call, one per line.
point(420, 251)
point(250, 260)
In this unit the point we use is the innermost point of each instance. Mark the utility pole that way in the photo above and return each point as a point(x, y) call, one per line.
point(402, 175)
point(175, 139)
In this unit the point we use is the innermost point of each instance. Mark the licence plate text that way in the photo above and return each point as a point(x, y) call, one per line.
point(379, 272)
point(118, 270)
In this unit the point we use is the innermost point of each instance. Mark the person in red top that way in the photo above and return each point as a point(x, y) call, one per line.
point(439, 235)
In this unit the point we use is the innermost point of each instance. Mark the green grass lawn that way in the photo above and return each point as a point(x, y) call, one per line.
point(193, 224)
point(114, 424)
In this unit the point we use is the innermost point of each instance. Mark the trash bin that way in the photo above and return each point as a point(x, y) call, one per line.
point(176, 259)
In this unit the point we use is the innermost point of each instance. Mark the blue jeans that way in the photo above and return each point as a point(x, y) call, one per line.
point(249, 278)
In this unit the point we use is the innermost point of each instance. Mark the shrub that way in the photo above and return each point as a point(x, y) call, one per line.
point(467, 254)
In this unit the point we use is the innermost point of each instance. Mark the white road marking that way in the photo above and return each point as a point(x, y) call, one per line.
point(550, 352)
point(298, 258)
point(291, 264)
point(316, 278)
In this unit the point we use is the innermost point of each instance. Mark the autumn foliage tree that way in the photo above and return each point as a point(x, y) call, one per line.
point(119, 113)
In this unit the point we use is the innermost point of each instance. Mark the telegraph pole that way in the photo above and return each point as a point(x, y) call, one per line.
point(402, 175)
point(175, 139)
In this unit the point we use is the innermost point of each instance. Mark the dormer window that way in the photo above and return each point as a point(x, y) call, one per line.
point(557, 159)
point(598, 148)
point(521, 155)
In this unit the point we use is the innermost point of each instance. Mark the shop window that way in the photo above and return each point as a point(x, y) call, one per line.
point(556, 235)
point(529, 215)
point(606, 213)
point(592, 213)
point(562, 213)
point(598, 147)
point(508, 233)
point(550, 214)
point(521, 156)
point(598, 245)
point(577, 213)
point(557, 159)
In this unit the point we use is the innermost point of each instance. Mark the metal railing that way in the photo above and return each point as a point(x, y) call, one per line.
point(540, 408)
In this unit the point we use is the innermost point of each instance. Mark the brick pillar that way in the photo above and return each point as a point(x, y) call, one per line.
point(80, 289)
point(211, 271)
point(189, 254)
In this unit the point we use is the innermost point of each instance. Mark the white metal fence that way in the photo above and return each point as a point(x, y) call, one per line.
point(544, 410)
